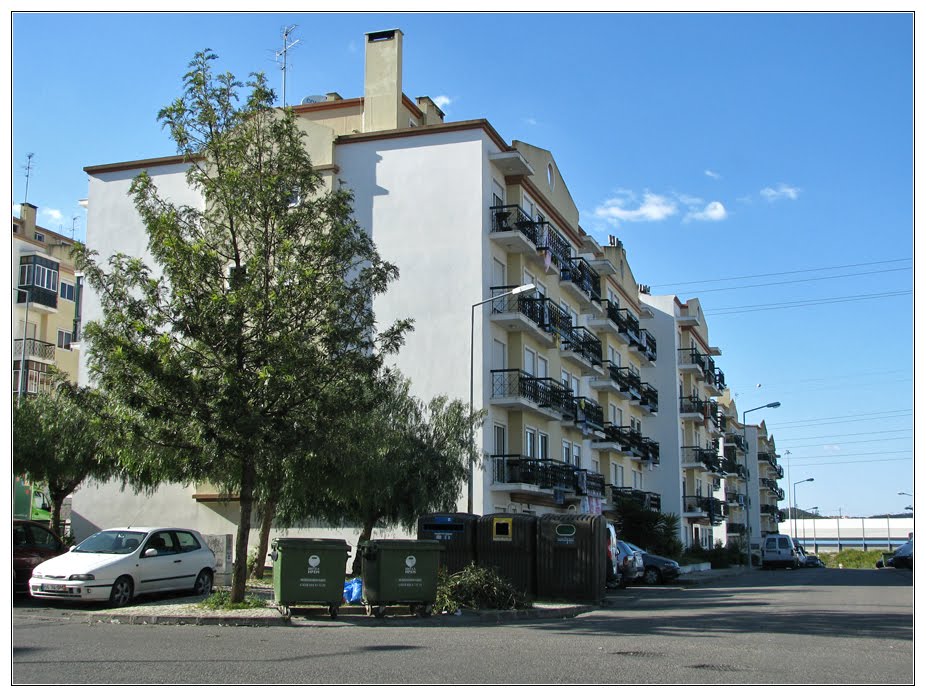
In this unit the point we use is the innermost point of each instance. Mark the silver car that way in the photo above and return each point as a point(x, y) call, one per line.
point(119, 564)
point(630, 562)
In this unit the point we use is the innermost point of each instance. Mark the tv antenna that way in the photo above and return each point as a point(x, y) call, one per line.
point(281, 54)
point(28, 168)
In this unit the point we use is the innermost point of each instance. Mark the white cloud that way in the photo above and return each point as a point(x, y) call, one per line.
point(711, 174)
point(16, 209)
point(626, 207)
point(442, 101)
point(52, 214)
point(713, 211)
point(778, 192)
point(832, 448)
point(530, 121)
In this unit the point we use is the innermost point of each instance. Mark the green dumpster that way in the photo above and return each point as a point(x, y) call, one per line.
point(309, 572)
point(400, 572)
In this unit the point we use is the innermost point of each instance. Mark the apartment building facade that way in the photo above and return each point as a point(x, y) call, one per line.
point(46, 305)
point(572, 377)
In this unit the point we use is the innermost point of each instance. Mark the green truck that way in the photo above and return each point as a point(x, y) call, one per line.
point(30, 502)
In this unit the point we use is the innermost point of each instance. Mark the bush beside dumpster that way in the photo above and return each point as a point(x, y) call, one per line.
point(476, 588)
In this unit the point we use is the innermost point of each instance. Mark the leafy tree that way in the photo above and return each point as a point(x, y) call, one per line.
point(395, 459)
point(652, 530)
point(59, 440)
point(260, 300)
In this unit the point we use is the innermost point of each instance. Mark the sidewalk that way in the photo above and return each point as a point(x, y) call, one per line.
point(186, 610)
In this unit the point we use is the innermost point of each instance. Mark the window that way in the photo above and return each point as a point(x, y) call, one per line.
point(614, 356)
point(39, 236)
point(187, 540)
point(617, 475)
point(530, 361)
point(530, 442)
point(64, 339)
point(67, 291)
point(617, 415)
point(576, 454)
point(542, 367)
point(498, 274)
point(567, 451)
point(544, 442)
point(498, 355)
point(637, 480)
point(500, 440)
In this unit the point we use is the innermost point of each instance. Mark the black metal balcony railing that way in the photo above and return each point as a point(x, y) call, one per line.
point(651, 450)
point(589, 413)
point(512, 217)
point(38, 295)
point(720, 381)
point(648, 344)
point(629, 325)
point(556, 320)
point(649, 397)
point(530, 307)
point(549, 240)
point(695, 454)
point(692, 405)
point(736, 440)
point(41, 350)
point(586, 344)
point(578, 271)
point(690, 356)
point(544, 392)
point(713, 509)
point(627, 379)
point(736, 528)
point(646, 499)
point(547, 474)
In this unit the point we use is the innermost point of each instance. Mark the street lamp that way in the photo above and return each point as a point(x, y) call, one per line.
point(770, 405)
point(472, 328)
point(790, 503)
point(794, 494)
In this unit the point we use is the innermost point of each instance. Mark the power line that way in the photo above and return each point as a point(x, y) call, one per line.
point(858, 433)
point(855, 462)
point(802, 381)
point(739, 309)
point(876, 456)
point(845, 416)
point(702, 291)
point(780, 273)
point(848, 442)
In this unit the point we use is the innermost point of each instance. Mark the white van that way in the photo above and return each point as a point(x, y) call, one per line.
point(779, 550)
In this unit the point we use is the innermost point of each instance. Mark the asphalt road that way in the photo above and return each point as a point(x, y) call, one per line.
point(808, 626)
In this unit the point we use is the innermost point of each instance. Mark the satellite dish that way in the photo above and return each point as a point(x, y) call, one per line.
point(314, 99)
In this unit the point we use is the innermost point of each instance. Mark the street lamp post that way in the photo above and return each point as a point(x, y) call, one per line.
point(790, 503)
point(814, 510)
point(472, 328)
point(794, 495)
point(770, 405)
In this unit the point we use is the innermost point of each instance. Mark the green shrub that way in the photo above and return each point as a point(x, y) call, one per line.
point(476, 588)
point(851, 558)
point(221, 600)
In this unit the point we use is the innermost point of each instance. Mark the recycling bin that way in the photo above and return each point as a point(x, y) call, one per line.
point(571, 558)
point(399, 572)
point(308, 572)
point(456, 532)
point(508, 543)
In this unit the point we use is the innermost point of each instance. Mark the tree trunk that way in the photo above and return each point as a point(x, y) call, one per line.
point(365, 535)
point(269, 509)
point(240, 566)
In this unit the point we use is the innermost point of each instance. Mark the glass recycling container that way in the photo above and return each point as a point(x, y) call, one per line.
point(309, 572)
point(572, 557)
point(399, 572)
point(456, 532)
point(507, 542)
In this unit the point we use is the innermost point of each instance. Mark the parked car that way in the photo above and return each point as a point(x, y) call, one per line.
point(119, 564)
point(630, 563)
point(903, 556)
point(813, 560)
point(779, 550)
point(801, 555)
point(33, 543)
point(656, 569)
point(613, 576)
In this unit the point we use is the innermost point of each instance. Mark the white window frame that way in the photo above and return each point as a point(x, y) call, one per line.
point(68, 335)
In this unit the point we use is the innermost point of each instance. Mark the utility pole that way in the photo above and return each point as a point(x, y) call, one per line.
point(281, 54)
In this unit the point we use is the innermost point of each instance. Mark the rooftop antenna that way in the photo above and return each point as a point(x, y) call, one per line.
point(73, 224)
point(287, 45)
point(28, 168)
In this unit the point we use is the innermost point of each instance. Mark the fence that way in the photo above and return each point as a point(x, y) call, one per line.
point(848, 533)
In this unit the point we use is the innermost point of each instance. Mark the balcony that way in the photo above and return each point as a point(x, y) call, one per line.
point(546, 397)
point(518, 473)
point(623, 382)
point(649, 398)
point(651, 451)
point(513, 229)
point(692, 361)
point(716, 382)
point(555, 248)
point(589, 416)
point(644, 345)
point(734, 498)
point(35, 350)
point(707, 507)
point(40, 299)
point(736, 440)
point(608, 321)
point(582, 283)
point(584, 349)
point(693, 409)
point(628, 441)
point(647, 500)
point(520, 313)
point(736, 528)
point(694, 456)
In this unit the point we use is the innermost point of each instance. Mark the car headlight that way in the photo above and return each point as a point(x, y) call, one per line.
point(81, 577)
point(37, 574)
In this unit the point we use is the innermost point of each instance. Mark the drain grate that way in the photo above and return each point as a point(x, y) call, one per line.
point(720, 667)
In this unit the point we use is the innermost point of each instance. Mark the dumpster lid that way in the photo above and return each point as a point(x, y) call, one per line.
point(309, 542)
point(404, 544)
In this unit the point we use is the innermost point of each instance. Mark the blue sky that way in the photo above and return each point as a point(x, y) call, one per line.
point(761, 162)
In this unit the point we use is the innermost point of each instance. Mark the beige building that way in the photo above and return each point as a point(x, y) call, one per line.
point(46, 301)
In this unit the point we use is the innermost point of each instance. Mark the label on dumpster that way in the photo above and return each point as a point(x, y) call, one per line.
point(313, 582)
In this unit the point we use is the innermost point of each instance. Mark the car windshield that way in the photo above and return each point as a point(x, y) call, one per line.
point(634, 547)
point(112, 542)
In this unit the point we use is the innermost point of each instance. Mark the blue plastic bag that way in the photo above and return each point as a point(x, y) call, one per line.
point(353, 590)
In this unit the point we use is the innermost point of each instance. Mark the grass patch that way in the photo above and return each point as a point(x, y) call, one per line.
point(851, 558)
point(221, 600)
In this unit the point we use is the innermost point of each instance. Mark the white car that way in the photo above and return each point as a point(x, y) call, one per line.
point(118, 564)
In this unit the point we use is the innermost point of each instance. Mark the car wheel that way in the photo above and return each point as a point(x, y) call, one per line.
point(651, 576)
point(121, 594)
point(203, 584)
